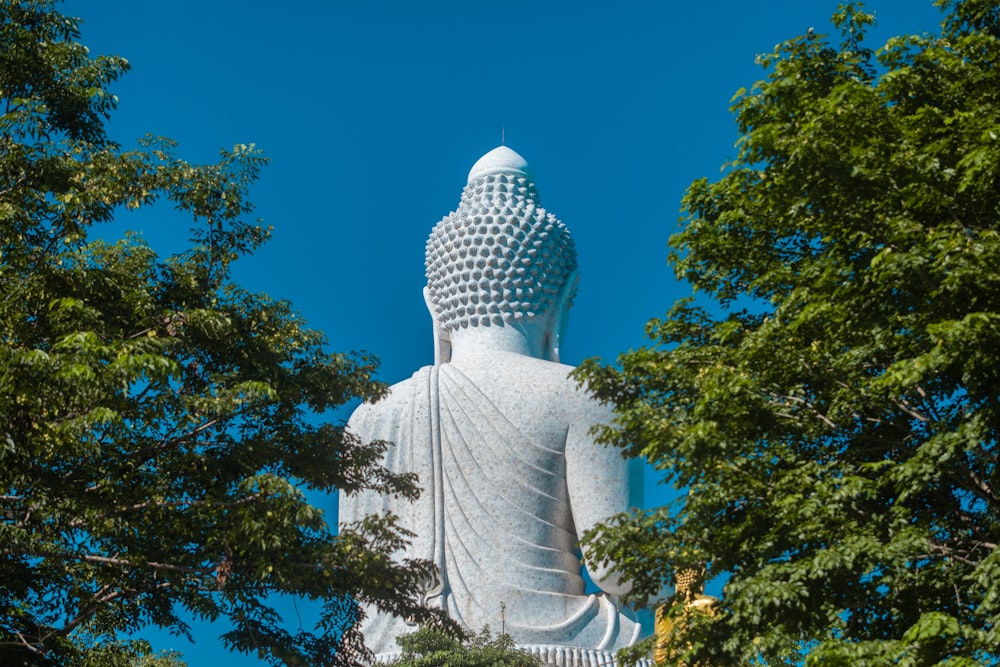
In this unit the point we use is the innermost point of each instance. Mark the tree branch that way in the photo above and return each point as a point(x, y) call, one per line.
point(77, 523)
point(801, 401)
point(106, 560)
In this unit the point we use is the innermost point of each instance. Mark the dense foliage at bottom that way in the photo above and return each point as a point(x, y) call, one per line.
point(431, 647)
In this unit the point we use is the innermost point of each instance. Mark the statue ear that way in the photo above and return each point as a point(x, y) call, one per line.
point(442, 339)
point(560, 317)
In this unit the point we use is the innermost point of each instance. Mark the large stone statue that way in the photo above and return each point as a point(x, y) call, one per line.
point(499, 436)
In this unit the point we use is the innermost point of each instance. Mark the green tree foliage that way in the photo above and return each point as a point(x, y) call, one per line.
point(162, 659)
point(159, 425)
point(431, 647)
point(131, 653)
point(833, 416)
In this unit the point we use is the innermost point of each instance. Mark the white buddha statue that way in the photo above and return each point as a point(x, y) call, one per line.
point(500, 436)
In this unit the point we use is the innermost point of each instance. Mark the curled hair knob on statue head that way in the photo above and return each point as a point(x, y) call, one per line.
point(500, 259)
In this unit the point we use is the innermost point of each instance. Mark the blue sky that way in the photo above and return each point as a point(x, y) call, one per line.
point(373, 112)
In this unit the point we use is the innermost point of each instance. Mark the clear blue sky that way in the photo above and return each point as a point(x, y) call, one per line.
point(373, 111)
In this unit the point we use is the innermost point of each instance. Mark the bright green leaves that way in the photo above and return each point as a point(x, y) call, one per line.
point(161, 428)
point(48, 79)
point(429, 647)
point(836, 442)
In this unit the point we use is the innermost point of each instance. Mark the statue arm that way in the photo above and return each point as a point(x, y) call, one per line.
point(601, 483)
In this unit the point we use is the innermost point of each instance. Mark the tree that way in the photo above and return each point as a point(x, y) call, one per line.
point(830, 407)
point(159, 425)
point(162, 659)
point(431, 647)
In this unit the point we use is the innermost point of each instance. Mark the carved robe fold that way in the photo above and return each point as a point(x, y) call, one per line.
point(495, 517)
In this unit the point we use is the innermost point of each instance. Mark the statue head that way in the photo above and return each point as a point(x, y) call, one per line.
point(500, 259)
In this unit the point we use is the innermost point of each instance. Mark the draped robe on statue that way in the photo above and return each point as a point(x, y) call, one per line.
point(497, 513)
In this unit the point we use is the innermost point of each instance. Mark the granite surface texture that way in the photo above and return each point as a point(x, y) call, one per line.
point(500, 436)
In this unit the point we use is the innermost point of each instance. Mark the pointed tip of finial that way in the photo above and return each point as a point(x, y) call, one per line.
point(501, 135)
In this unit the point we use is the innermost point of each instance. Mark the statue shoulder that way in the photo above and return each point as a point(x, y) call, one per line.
point(533, 367)
point(554, 381)
point(561, 373)
point(396, 400)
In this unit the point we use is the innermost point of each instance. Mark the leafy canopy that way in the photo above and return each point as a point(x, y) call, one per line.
point(430, 647)
point(160, 425)
point(832, 417)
